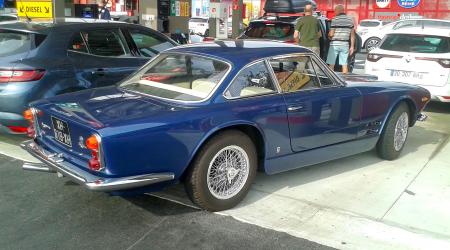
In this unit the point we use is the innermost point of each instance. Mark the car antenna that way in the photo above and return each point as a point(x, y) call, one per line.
point(26, 14)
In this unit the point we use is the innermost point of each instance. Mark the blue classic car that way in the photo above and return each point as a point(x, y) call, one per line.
point(211, 115)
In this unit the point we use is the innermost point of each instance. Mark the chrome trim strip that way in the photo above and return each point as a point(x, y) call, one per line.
point(55, 163)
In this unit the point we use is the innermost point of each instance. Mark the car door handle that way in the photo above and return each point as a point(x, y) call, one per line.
point(295, 108)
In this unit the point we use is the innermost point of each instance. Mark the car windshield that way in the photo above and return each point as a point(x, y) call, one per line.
point(178, 77)
point(369, 24)
point(269, 30)
point(12, 43)
point(416, 43)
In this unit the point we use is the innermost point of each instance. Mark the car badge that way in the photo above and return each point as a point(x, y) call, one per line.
point(408, 59)
point(45, 126)
point(81, 142)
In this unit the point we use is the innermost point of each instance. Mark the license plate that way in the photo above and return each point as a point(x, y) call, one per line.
point(407, 74)
point(61, 130)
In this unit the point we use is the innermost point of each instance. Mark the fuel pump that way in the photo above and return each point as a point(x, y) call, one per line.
point(218, 25)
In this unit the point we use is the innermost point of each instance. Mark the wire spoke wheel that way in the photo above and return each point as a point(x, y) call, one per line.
point(228, 172)
point(401, 131)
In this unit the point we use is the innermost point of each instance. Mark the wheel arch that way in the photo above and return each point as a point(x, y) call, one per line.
point(251, 130)
point(411, 106)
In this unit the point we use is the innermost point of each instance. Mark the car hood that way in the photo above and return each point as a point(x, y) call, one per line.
point(106, 107)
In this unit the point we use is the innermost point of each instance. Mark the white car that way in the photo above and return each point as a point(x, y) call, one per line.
point(414, 56)
point(367, 25)
point(199, 25)
point(372, 38)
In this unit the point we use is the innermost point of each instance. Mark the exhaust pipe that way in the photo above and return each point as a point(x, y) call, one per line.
point(40, 167)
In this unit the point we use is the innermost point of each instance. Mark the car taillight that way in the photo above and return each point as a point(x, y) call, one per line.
point(93, 143)
point(290, 41)
point(208, 39)
point(372, 57)
point(443, 62)
point(21, 75)
point(18, 129)
point(29, 116)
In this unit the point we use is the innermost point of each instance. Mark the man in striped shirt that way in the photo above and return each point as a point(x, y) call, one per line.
point(342, 33)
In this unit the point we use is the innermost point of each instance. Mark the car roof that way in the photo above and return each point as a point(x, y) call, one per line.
point(240, 52)
point(433, 31)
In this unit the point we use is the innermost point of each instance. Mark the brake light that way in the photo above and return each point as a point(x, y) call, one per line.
point(376, 57)
point(17, 129)
point(21, 75)
point(93, 144)
point(208, 39)
point(290, 41)
point(443, 62)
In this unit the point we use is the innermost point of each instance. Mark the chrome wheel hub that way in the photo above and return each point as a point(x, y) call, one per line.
point(401, 131)
point(228, 172)
point(372, 44)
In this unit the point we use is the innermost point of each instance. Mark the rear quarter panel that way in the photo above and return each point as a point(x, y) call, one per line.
point(170, 142)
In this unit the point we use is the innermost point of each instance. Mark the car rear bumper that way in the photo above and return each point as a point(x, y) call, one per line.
point(54, 163)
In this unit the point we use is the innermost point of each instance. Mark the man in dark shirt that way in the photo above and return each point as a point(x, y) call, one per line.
point(309, 29)
point(342, 33)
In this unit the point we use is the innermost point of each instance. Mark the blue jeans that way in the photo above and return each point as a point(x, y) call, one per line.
point(334, 51)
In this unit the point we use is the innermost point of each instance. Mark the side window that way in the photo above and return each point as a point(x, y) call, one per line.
point(149, 44)
point(253, 80)
point(295, 73)
point(325, 81)
point(78, 44)
point(105, 42)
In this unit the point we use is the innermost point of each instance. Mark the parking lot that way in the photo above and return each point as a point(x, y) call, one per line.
point(352, 203)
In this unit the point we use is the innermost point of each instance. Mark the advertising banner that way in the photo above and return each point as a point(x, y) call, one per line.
point(408, 4)
point(34, 9)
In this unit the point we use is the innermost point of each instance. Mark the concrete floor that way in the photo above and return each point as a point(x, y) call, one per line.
point(359, 202)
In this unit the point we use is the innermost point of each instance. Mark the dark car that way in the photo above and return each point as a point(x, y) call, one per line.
point(47, 59)
point(8, 17)
point(211, 114)
point(281, 28)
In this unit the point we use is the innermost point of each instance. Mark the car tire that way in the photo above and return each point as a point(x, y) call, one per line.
point(209, 173)
point(372, 43)
point(395, 133)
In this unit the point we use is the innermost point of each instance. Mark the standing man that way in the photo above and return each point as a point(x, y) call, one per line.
point(309, 29)
point(342, 31)
point(104, 12)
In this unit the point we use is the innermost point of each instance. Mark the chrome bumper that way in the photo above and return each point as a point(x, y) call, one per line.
point(54, 163)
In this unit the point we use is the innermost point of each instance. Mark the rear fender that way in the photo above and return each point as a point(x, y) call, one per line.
point(212, 132)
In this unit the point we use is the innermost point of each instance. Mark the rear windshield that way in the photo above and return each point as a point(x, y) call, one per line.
point(369, 24)
point(12, 43)
point(269, 30)
point(416, 43)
